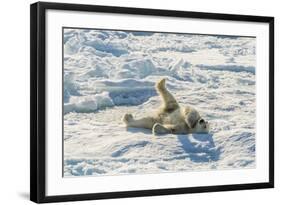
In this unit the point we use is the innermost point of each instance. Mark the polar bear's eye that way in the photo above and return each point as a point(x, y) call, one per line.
point(201, 121)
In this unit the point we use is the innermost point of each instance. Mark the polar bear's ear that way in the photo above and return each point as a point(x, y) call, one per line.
point(192, 118)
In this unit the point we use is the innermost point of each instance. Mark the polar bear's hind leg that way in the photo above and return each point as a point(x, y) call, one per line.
point(146, 122)
point(169, 102)
point(127, 118)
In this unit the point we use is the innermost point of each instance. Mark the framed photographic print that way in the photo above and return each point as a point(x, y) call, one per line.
point(129, 102)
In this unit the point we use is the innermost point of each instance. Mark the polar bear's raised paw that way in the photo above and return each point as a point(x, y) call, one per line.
point(161, 84)
point(127, 118)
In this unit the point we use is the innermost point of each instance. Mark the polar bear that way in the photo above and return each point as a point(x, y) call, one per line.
point(170, 117)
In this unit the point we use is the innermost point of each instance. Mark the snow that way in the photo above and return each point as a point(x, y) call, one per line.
point(110, 73)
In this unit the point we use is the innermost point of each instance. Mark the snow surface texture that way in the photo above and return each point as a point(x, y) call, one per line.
point(110, 73)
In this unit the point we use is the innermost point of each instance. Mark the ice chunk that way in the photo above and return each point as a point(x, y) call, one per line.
point(137, 68)
point(88, 103)
point(70, 87)
point(116, 49)
point(72, 46)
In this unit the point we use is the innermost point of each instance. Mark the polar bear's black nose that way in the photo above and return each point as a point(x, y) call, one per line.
point(201, 121)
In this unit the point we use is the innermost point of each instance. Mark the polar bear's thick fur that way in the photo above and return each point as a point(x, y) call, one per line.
point(170, 117)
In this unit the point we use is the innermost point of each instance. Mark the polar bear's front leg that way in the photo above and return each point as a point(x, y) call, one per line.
point(146, 122)
point(169, 129)
point(159, 129)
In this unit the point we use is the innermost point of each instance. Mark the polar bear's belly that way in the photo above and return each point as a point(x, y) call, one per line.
point(173, 118)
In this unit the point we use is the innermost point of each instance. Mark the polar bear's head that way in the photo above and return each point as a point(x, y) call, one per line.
point(201, 126)
point(195, 122)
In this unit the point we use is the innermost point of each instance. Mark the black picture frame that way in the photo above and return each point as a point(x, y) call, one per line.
point(38, 101)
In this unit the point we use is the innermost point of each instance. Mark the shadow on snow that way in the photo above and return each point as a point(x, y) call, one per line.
point(200, 147)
